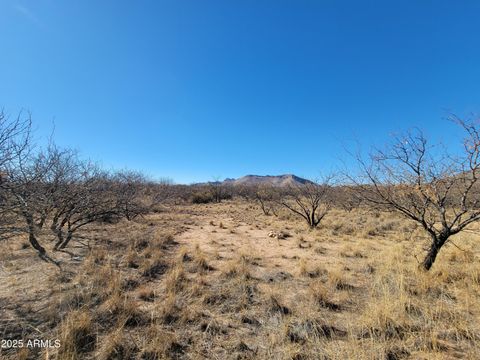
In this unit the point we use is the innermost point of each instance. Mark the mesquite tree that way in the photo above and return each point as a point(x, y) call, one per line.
point(160, 191)
point(90, 198)
point(426, 184)
point(266, 195)
point(25, 185)
point(53, 187)
point(15, 142)
point(130, 188)
point(310, 200)
point(26, 195)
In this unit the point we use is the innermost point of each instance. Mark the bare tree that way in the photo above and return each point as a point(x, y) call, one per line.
point(246, 192)
point(15, 146)
point(130, 188)
point(91, 197)
point(426, 184)
point(26, 185)
point(309, 200)
point(219, 190)
point(64, 188)
point(346, 198)
point(30, 181)
point(15, 139)
point(53, 186)
point(162, 191)
point(267, 196)
point(178, 193)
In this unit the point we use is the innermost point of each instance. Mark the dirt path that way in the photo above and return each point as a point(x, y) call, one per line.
point(223, 237)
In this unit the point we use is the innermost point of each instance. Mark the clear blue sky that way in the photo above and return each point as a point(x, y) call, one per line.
point(195, 89)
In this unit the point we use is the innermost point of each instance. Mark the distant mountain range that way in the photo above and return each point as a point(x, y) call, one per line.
point(273, 180)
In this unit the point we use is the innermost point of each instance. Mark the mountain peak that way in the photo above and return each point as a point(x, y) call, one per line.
point(273, 180)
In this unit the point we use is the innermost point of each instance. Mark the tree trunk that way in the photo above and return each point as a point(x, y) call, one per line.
point(59, 234)
point(31, 235)
point(67, 240)
point(274, 212)
point(262, 205)
point(57, 229)
point(41, 222)
point(432, 253)
point(35, 244)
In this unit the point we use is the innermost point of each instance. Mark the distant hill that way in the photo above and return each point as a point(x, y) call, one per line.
point(274, 180)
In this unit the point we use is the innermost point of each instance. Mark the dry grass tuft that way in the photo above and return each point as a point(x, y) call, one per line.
point(145, 293)
point(275, 305)
point(116, 345)
point(120, 309)
point(77, 335)
point(200, 261)
point(321, 296)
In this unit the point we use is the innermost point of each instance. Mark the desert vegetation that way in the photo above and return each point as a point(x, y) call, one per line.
point(381, 263)
point(426, 183)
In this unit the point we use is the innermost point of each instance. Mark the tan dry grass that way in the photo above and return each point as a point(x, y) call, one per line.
point(155, 289)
